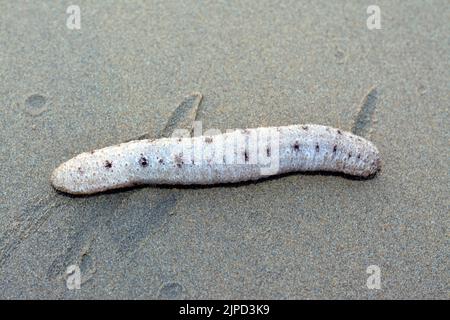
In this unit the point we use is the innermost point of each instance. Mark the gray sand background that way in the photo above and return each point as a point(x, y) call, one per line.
point(257, 63)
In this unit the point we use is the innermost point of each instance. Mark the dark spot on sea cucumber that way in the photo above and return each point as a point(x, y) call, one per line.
point(334, 148)
point(246, 155)
point(359, 156)
point(296, 146)
point(305, 127)
point(143, 161)
point(93, 151)
point(339, 131)
point(161, 161)
point(208, 139)
point(81, 171)
point(178, 159)
point(179, 139)
point(108, 164)
point(317, 147)
point(349, 155)
point(268, 151)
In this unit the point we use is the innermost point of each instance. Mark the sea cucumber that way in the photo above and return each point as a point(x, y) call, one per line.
point(235, 156)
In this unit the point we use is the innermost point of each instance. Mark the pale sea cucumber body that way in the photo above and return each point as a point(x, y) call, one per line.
point(171, 161)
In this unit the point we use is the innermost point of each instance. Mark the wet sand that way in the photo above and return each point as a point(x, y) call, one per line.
point(257, 63)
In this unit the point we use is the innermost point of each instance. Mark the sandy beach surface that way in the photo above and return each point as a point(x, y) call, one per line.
point(257, 63)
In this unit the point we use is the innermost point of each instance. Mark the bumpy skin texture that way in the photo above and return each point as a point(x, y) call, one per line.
point(172, 161)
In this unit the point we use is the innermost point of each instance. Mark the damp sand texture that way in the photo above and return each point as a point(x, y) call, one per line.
point(257, 63)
